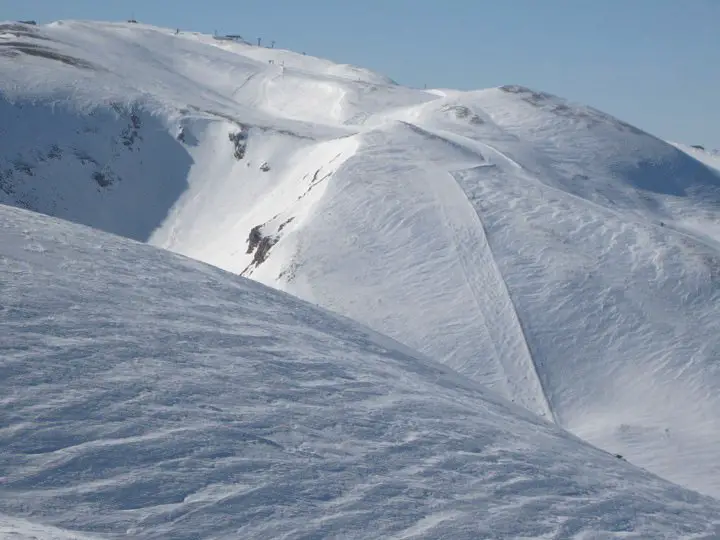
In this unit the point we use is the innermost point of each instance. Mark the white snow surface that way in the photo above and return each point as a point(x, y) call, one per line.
point(558, 256)
point(147, 395)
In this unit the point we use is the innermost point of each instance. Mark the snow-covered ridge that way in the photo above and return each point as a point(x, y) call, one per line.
point(149, 396)
point(557, 255)
point(708, 157)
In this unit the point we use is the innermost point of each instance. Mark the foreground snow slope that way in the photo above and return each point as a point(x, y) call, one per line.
point(151, 396)
point(555, 254)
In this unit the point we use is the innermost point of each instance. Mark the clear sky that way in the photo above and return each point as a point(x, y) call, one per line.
point(653, 63)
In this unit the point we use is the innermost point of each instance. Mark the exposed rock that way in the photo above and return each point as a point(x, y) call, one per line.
point(282, 226)
point(464, 113)
point(55, 152)
point(239, 141)
point(132, 132)
point(263, 249)
point(254, 238)
point(23, 167)
point(105, 177)
point(6, 184)
point(101, 179)
point(261, 244)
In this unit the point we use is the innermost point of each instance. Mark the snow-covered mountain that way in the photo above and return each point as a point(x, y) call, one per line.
point(561, 257)
point(711, 158)
point(146, 395)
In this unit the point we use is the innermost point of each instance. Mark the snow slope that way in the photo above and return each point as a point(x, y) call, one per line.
point(711, 158)
point(559, 256)
point(147, 395)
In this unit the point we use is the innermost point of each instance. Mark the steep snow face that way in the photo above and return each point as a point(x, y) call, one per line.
point(152, 396)
point(116, 168)
point(554, 254)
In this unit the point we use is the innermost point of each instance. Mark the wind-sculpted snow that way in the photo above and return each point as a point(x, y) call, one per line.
point(150, 396)
point(548, 251)
point(21, 529)
point(474, 250)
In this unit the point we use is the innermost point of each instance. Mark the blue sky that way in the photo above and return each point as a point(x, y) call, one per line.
point(653, 63)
